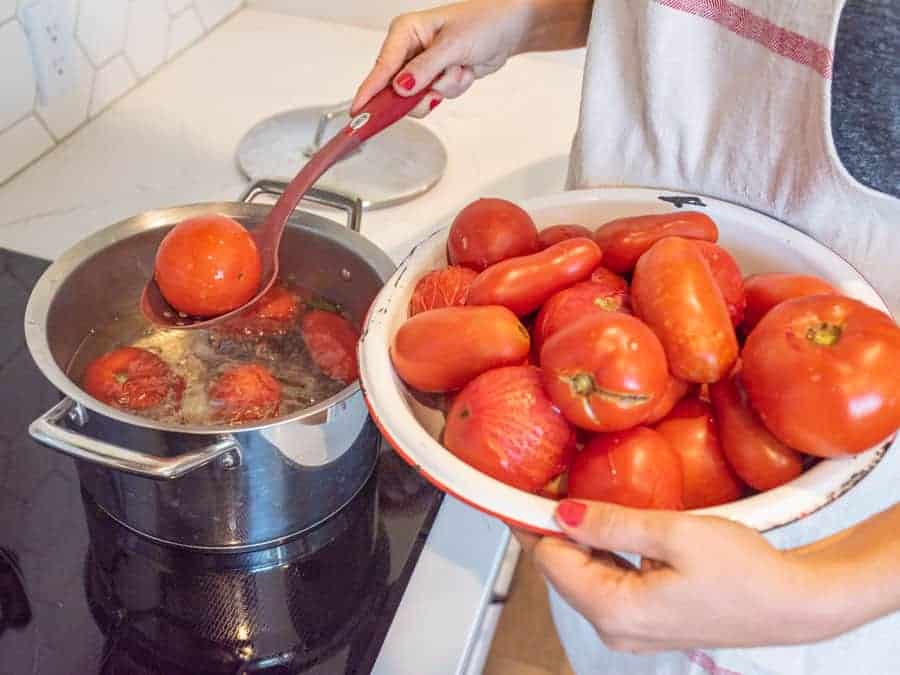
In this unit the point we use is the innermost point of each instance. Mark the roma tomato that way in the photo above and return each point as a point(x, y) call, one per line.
point(557, 233)
point(523, 284)
point(573, 303)
point(823, 372)
point(764, 291)
point(675, 391)
point(245, 393)
point(727, 274)
point(448, 287)
point(208, 265)
point(331, 341)
point(605, 371)
point(503, 424)
point(445, 349)
point(626, 239)
point(272, 315)
point(488, 231)
point(675, 293)
point(636, 468)
point(759, 459)
point(691, 431)
point(131, 378)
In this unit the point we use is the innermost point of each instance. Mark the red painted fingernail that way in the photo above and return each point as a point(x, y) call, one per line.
point(435, 102)
point(571, 513)
point(406, 81)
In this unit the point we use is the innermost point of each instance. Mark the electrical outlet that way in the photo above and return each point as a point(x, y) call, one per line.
point(50, 27)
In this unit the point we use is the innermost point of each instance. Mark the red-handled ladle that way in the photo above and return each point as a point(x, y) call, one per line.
point(385, 108)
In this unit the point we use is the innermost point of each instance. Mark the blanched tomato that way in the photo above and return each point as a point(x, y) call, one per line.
point(727, 274)
point(208, 265)
point(759, 459)
point(503, 424)
point(446, 348)
point(691, 431)
point(448, 287)
point(675, 391)
point(823, 372)
point(636, 468)
point(764, 291)
point(626, 239)
point(331, 341)
point(557, 233)
point(523, 284)
point(490, 230)
point(131, 378)
point(675, 293)
point(573, 303)
point(605, 371)
point(245, 393)
point(272, 315)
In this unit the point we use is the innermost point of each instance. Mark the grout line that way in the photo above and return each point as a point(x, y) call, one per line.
point(16, 121)
point(40, 120)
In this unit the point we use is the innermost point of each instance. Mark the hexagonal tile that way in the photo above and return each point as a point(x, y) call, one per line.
point(214, 11)
point(16, 74)
point(20, 144)
point(101, 28)
point(176, 6)
point(112, 80)
point(7, 9)
point(62, 114)
point(185, 28)
point(148, 28)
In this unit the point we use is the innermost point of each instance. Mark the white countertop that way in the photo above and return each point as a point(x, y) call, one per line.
point(172, 141)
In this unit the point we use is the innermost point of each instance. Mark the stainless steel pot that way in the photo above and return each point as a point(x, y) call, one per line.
point(229, 487)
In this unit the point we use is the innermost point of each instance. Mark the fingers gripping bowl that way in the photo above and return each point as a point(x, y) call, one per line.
point(759, 244)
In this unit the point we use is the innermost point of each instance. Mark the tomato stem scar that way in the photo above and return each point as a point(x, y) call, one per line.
point(825, 334)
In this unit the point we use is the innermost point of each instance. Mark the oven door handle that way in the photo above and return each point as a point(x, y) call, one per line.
point(50, 429)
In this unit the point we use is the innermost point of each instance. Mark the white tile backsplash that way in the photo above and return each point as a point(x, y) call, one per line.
point(20, 144)
point(117, 43)
point(101, 28)
point(147, 36)
point(17, 86)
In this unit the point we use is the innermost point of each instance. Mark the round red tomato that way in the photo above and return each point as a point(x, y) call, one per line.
point(523, 284)
point(207, 266)
point(557, 233)
point(503, 424)
point(131, 378)
point(245, 393)
point(331, 341)
point(272, 315)
point(444, 349)
point(573, 303)
point(448, 287)
point(625, 240)
point(764, 291)
point(823, 372)
point(691, 431)
point(488, 231)
point(728, 277)
point(759, 459)
point(636, 468)
point(675, 391)
point(675, 293)
point(605, 371)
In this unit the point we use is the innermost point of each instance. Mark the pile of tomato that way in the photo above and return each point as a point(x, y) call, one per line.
point(635, 363)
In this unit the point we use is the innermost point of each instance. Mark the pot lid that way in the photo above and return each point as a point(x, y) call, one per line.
point(399, 164)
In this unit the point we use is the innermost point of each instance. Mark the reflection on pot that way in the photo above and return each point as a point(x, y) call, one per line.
point(15, 611)
point(295, 608)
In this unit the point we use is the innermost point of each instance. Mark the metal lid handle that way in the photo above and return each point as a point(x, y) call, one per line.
point(349, 204)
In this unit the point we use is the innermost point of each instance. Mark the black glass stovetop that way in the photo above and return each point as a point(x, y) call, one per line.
point(79, 593)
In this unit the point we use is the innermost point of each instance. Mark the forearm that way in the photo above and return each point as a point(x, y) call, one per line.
point(858, 572)
point(555, 24)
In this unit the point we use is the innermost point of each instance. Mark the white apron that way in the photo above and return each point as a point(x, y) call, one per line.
point(733, 101)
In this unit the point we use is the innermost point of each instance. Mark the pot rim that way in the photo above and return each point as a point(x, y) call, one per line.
point(44, 292)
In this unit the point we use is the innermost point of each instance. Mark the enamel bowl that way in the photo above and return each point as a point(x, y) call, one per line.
point(759, 243)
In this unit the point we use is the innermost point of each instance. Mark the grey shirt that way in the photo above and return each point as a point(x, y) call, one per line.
point(865, 101)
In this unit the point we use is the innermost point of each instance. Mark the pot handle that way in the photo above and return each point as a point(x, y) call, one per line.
point(349, 204)
point(50, 430)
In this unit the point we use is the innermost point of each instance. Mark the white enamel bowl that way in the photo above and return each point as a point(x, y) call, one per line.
point(759, 243)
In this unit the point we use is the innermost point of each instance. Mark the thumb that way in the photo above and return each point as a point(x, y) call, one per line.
point(609, 527)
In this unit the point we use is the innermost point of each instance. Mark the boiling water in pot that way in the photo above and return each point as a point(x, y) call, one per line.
point(200, 356)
